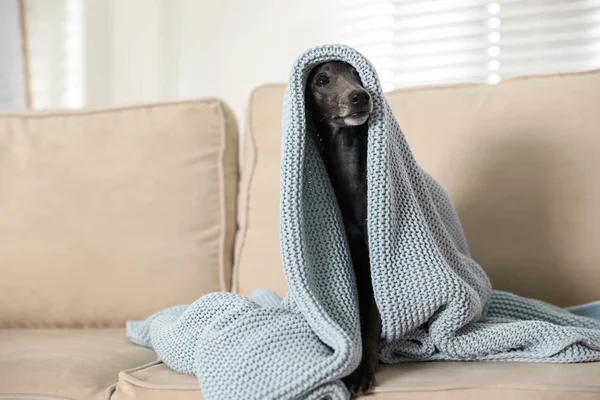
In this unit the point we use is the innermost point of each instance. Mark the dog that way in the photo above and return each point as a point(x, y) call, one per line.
point(340, 107)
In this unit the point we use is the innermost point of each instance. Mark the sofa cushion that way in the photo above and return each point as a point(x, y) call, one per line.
point(521, 163)
point(258, 261)
point(114, 214)
point(154, 381)
point(425, 381)
point(78, 364)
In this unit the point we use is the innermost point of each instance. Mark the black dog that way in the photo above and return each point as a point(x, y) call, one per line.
point(340, 107)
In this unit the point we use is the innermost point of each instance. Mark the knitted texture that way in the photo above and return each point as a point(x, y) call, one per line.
point(436, 302)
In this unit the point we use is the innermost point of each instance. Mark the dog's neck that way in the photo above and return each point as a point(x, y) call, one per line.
point(336, 139)
point(344, 151)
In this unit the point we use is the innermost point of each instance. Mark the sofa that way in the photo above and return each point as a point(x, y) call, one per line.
point(110, 215)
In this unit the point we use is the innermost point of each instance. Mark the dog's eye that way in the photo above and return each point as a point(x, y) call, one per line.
point(322, 80)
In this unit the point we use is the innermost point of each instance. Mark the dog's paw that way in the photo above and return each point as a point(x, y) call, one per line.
point(360, 381)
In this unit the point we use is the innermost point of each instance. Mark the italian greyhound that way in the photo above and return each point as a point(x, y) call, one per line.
point(340, 108)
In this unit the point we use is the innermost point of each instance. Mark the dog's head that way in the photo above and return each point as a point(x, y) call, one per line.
point(335, 95)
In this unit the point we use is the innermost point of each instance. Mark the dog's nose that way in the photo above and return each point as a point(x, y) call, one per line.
point(359, 97)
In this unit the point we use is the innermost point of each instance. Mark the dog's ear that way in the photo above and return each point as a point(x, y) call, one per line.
point(309, 114)
point(309, 105)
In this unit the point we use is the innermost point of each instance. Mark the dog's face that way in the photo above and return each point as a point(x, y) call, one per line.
point(334, 94)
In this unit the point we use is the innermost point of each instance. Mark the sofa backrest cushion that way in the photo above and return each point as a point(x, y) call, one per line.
point(520, 160)
point(114, 214)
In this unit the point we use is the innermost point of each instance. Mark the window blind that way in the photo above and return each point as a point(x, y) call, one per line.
point(448, 41)
point(55, 38)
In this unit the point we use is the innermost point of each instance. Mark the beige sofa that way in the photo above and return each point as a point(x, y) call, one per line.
point(111, 215)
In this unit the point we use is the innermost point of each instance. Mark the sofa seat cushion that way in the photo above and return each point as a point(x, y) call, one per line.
point(155, 381)
point(65, 364)
point(481, 380)
point(422, 381)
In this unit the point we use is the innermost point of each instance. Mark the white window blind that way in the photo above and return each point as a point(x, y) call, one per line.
point(447, 41)
point(55, 37)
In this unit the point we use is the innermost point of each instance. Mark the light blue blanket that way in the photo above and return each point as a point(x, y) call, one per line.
point(436, 303)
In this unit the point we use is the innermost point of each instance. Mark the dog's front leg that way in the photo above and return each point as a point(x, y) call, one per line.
point(363, 378)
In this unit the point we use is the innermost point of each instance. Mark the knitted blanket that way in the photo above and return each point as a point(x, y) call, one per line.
point(436, 302)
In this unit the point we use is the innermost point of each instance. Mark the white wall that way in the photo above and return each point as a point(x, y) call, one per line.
point(152, 50)
point(12, 76)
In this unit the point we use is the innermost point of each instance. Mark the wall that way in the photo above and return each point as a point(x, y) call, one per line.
point(12, 75)
point(152, 50)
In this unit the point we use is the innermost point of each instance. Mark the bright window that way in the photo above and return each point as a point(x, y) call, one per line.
point(446, 41)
